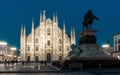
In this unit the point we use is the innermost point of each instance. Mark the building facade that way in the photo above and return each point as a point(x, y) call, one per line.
point(116, 52)
point(117, 43)
point(6, 53)
point(46, 42)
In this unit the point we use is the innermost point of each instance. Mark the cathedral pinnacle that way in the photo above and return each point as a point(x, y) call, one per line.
point(32, 24)
point(41, 19)
point(54, 18)
point(74, 36)
point(64, 27)
point(21, 31)
point(44, 17)
point(24, 31)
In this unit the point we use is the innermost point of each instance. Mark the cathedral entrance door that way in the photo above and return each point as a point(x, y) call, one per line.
point(36, 58)
point(28, 58)
point(48, 57)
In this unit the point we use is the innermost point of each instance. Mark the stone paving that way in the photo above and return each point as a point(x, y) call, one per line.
point(29, 69)
point(70, 73)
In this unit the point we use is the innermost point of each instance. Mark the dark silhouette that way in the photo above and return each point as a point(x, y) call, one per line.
point(45, 62)
point(22, 63)
point(74, 53)
point(88, 19)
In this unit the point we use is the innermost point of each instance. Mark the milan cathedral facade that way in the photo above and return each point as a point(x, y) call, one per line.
point(47, 42)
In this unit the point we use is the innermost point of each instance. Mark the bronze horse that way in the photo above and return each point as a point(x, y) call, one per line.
point(88, 19)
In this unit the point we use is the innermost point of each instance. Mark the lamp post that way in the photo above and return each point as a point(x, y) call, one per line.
point(4, 49)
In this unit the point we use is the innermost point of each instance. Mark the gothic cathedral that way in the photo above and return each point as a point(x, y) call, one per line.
point(47, 42)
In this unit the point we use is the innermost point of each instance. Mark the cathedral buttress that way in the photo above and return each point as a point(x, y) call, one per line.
point(33, 41)
point(63, 40)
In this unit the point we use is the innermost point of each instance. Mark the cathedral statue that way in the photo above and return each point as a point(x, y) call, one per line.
point(88, 19)
point(74, 53)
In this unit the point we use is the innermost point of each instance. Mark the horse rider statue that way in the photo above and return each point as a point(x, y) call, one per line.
point(88, 19)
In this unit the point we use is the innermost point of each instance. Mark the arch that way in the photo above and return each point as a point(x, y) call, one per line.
point(28, 58)
point(60, 57)
point(60, 41)
point(48, 42)
point(36, 58)
point(48, 31)
point(48, 57)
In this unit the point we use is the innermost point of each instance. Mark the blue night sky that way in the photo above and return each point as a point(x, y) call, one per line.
point(13, 13)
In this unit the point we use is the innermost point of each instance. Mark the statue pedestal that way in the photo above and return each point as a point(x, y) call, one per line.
point(87, 32)
point(92, 50)
point(88, 46)
point(87, 37)
point(91, 55)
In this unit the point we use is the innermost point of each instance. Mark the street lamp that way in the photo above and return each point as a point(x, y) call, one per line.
point(118, 57)
point(3, 44)
point(13, 49)
point(105, 45)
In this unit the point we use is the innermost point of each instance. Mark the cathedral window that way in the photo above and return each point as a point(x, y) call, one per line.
point(36, 40)
point(119, 47)
point(68, 48)
point(115, 41)
point(28, 58)
point(118, 41)
point(28, 48)
point(48, 42)
point(60, 49)
point(60, 41)
point(36, 58)
point(60, 57)
point(48, 31)
point(36, 48)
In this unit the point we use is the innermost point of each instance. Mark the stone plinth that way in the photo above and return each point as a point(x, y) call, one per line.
point(88, 46)
point(87, 32)
point(92, 50)
point(88, 37)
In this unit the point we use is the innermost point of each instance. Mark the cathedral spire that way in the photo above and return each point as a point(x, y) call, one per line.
point(21, 38)
point(32, 25)
point(74, 36)
point(41, 19)
point(64, 29)
point(54, 18)
point(21, 31)
point(24, 42)
point(24, 31)
point(44, 17)
point(71, 36)
point(33, 39)
point(63, 40)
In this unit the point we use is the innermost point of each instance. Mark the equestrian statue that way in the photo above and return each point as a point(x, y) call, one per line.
point(88, 19)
